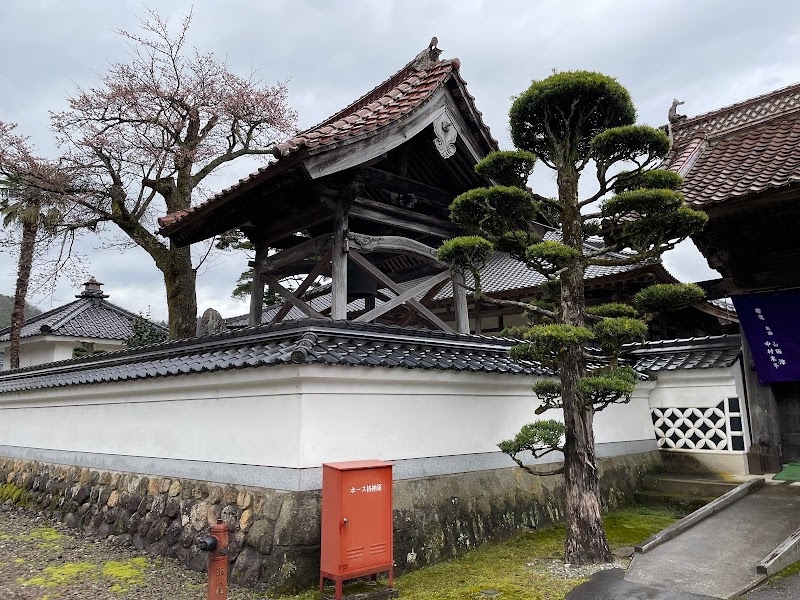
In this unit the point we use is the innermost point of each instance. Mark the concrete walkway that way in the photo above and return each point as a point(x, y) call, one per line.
point(611, 585)
point(718, 556)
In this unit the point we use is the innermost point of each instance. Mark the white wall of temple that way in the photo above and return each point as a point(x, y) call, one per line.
point(393, 414)
point(682, 390)
point(292, 416)
point(250, 416)
point(696, 387)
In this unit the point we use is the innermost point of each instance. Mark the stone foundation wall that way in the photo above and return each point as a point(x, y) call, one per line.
point(275, 534)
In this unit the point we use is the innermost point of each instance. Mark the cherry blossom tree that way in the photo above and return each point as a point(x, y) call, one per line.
point(141, 143)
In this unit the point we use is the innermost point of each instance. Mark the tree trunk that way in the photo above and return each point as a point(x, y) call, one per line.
point(179, 280)
point(24, 266)
point(586, 541)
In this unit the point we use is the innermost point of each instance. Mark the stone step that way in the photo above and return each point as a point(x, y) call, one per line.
point(687, 485)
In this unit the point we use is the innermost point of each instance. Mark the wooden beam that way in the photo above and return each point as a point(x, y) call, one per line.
point(460, 301)
point(404, 297)
point(339, 262)
point(385, 218)
point(756, 282)
point(375, 178)
point(407, 213)
point(375, 272)
point(290, 297)
point(394, 243)
point(430, 295)
point(257, 289)
point(303, 250)
point(307, 282)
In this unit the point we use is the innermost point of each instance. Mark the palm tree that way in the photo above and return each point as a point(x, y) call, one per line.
point(25, 209)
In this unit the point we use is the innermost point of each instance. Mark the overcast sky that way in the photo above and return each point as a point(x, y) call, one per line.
point(710, 54)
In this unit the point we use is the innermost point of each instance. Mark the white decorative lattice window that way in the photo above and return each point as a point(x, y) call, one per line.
point(719, 427)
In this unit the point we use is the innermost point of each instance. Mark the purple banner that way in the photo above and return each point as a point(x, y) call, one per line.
point(771, 324)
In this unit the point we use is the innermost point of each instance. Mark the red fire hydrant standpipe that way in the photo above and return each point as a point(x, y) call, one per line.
point(217, 544)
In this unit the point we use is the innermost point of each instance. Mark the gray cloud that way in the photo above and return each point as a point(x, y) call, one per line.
point(709, 54)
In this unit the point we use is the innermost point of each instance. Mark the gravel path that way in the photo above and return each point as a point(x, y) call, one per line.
point(45, 560)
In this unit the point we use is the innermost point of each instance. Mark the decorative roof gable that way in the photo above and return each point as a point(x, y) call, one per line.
point(744, 149)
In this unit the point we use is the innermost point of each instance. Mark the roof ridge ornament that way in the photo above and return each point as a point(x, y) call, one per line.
point(674, 118)
point(91, 289)
point(428, 56)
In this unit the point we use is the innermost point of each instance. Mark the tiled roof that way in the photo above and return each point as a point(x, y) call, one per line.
point(85, 317)
point(388, 103)
point(747, 148)
point(709, 352)
point(504, 273)
point(308, 342)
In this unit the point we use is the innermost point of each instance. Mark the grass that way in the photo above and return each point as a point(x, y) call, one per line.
point(517, 567)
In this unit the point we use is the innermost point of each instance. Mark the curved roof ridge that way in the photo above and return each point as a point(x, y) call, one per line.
point(740, 115)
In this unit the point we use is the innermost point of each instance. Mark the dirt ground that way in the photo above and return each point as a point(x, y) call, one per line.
point(43, 560)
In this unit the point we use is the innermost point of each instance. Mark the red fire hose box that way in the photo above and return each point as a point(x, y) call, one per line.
point(356, 521)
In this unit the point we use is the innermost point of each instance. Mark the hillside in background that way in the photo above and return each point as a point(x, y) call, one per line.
point(6, 304)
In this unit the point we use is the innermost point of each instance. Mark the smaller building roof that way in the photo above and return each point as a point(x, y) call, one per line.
point(324, 342)
point(90, 316)
point(708, 352)
point(747, 148)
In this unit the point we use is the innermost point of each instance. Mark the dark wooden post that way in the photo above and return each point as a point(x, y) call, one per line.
point(339, 262)
point(257, 290)
point(765, 428)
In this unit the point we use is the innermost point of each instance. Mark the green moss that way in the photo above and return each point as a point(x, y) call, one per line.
point(17, 495)
point(120, 573)
point(126, 570)
point(517, 567)
point(44, 534)
point(55, 576)
point(790, 570)
point(125, 573)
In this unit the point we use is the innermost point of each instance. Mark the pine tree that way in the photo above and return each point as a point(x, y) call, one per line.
point(569, 122)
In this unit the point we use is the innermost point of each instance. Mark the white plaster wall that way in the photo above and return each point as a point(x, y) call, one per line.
point(47, 349)
point(394, 414)
point(237, 417)
point(293, 416)
point(696, 387)
point(33, 353)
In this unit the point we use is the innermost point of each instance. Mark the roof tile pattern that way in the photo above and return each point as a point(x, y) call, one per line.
point(748, 148)
point(85, 317)
point(407, 90)
point(764, 157)
point(709, 352)
point(308, 342)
